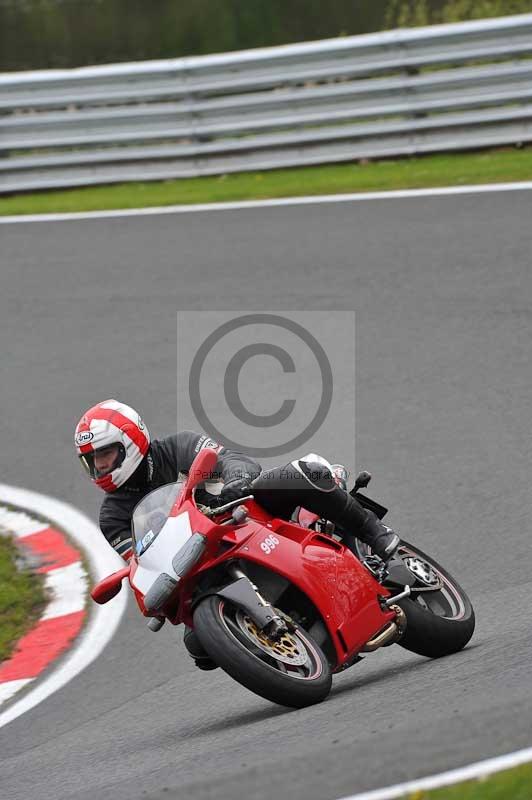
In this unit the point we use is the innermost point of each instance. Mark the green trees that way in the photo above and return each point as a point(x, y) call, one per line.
point(63, 33)
point(406, 13)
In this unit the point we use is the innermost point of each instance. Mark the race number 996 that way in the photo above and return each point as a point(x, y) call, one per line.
point(269, 544)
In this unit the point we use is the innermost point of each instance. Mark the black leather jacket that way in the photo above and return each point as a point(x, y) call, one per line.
point(166, 458)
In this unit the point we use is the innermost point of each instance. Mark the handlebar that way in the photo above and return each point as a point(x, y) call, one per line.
point(214, 512)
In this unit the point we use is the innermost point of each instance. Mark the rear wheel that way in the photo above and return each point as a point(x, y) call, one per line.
point(440, 617)
point(291, 671)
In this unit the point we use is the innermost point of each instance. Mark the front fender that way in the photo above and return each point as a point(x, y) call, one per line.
point(242, 594)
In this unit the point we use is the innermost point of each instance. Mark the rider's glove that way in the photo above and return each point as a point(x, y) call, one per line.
point(235, 489)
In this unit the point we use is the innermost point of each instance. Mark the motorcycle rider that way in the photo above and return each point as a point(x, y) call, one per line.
point(115, 447)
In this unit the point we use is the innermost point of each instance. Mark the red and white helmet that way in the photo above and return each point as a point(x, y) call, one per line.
point(107, 424)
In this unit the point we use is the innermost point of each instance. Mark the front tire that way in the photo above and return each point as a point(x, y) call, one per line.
point(292, 671)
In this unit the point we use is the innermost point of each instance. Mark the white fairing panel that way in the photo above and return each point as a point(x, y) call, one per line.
point(158, 557)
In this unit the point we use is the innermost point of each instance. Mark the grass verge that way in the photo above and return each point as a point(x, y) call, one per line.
point(21, 598)
point(512, 784)
point(489, 166)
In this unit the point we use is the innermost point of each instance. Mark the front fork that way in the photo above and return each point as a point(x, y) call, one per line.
point(246, 595)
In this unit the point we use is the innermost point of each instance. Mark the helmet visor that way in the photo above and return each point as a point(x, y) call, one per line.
point(103, 460)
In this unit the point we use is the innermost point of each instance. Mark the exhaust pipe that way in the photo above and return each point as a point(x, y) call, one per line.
point(390, 634)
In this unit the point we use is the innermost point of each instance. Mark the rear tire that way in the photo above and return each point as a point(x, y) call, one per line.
point(232, 641)
point(438, 623)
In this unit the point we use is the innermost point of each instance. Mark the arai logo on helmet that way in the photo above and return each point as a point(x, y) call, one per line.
point(84, 437)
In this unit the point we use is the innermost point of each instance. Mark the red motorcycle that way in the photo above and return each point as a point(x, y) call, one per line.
point(279, 605)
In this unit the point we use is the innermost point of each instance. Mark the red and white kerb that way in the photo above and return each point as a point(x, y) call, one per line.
point(66, 585)
point(111, 423)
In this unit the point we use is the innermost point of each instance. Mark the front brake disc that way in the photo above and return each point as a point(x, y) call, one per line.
point(287, 648)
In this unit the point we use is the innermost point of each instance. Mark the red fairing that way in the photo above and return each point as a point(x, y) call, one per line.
point(329, 574)
point(306, 518)
point(107, 588)
point(138, 595)
point(342, 590)
point(202, 467)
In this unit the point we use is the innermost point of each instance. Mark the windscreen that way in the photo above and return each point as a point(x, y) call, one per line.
point(151, 513)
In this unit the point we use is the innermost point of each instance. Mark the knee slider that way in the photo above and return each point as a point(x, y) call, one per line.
point(318, 475)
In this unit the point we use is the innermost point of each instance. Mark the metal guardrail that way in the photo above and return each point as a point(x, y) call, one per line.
point(444, 87)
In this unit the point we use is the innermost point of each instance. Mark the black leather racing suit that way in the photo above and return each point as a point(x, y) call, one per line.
point(165, 460)
point(279, 490)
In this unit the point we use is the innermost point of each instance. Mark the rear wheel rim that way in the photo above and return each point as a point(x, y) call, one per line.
point(445, 601)
point(305, 665)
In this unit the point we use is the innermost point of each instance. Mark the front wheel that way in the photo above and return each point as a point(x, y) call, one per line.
point(440, 617)
point(291, 671)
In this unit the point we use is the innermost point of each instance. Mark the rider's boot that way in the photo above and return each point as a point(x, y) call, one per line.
point(373, 532)
point(363, 523)
point(201, 659)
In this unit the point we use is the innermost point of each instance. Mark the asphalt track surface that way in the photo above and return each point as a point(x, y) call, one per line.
point(442, 290)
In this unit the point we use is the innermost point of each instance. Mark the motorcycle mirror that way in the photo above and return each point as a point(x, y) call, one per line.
point(107, 588)
point(200, 470)
point(362, 480)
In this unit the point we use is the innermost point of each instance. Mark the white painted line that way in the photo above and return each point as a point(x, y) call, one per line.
point(103, 620)
point(9, 688)
point(282, 201)
point(470, 772)
point(67, 587)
